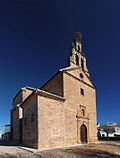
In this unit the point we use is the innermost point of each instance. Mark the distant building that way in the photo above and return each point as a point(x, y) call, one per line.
point(6, 133)
point(110, 129)
point(0, 134)
point(61, 112)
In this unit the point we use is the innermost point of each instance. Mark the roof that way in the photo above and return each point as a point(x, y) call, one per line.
point(15, 107)
point(27, 87)
point(65, 70)
point(17, 94)
point(6, 125)
point(108, 125)
point(43, 93)
point(39, 92)
point(49, 79)
point(48, 94)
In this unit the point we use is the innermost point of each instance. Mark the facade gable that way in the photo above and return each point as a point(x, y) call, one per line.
point(22, 94)
point(79, 74)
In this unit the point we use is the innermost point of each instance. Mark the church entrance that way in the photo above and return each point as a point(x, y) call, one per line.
point(83, 131)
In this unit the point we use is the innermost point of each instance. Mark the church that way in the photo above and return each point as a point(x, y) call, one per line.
point(62, 112)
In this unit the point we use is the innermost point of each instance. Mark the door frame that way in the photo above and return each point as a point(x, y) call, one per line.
point(80, 122)
point(83, 128)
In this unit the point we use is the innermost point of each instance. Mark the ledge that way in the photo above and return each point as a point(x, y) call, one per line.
point(50, 95)
point(81, 117)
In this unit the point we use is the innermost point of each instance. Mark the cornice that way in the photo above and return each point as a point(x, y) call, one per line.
point(80, 80)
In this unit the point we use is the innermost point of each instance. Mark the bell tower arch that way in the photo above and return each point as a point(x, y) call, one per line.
point(77, 57)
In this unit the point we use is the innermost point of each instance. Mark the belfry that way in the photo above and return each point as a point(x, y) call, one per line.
point(62, 112)
point(77, 57)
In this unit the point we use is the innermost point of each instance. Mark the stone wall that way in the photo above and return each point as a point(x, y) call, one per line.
point(17, 99)
point(49, 121)
point(21, 96)
point(17, 115)
point(15, 125)
point(75, 100)
point(51, 125)
point(54, 85)
point(30, 122)
point(26, 92)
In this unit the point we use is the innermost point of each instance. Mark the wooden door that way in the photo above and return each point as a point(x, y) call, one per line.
point(83, 134)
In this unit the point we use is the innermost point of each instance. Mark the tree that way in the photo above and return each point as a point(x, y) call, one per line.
point(98, 134)
point(109, 130)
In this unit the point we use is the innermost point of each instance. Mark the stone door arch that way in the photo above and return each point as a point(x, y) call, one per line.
point(83, 133)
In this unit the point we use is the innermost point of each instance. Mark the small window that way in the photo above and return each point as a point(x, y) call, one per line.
point(83, 112)
point(32, 117)
point(82, 63)
point(78, 48)
point(82, 91)
point(77, 60)
point(81, 75)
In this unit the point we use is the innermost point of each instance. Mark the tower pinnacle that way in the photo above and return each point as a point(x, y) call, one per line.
point(77, 57)
point(77, 37)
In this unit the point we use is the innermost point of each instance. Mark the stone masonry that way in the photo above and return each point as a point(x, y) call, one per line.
point(61, 112)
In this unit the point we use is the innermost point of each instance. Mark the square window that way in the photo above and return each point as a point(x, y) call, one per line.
point(82, 91)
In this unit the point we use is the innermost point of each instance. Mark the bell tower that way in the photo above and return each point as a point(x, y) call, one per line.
point(77, 57)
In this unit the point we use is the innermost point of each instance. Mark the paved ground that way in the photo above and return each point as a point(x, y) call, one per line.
point(85, 151)
point(106, 150)
point(15, 152)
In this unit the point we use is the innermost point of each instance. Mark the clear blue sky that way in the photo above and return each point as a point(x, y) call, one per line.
point(35, 37)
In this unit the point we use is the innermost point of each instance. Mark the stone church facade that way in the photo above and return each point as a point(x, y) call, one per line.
point(61, 112)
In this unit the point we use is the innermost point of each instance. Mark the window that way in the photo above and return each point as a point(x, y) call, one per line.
point(77, 60)
point(82, 91)
point(83, 112)
point(78, 48)
point(82, 63)
point(32, 117)
point(81, 75)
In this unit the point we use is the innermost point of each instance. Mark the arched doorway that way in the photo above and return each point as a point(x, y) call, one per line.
point(83, 132)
